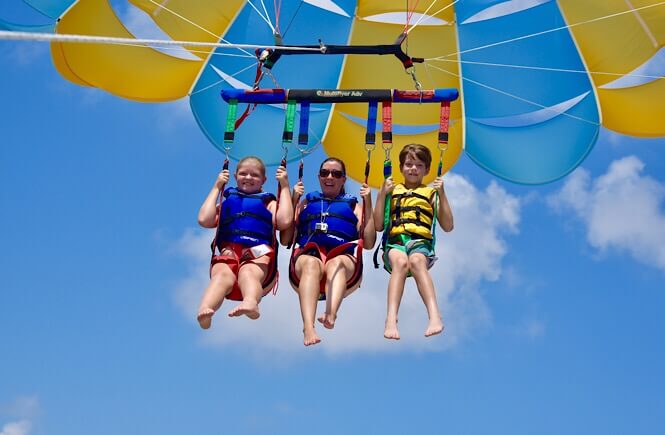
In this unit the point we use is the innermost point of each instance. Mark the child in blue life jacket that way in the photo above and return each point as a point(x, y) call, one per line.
point(244, 262)
point(409, 248)
point(329, 235)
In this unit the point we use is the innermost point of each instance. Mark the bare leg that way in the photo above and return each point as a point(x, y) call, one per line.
point(250, 277)
point(399, 264)
point(338, 271)
point(418, 266)
point(310, 271)
point(221, 284)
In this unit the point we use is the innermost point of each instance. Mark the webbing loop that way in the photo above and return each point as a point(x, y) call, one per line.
point(387, 127)
point(229, 130)
point(289, 122)
point(444, 123)
point(370, 134)
point(303, 133)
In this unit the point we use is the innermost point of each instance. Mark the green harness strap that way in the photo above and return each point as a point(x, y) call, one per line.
point(230, 129)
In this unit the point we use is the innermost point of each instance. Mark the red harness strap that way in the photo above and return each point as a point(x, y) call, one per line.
point(241, 255)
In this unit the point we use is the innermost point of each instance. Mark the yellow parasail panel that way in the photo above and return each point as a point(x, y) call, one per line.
point(192, 20)
point(345, 138)
point(136, 73)
point(620, 45)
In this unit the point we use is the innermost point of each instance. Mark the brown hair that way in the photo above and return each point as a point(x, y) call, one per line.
point(341, 163)
point(262, 166)
point(418, 151)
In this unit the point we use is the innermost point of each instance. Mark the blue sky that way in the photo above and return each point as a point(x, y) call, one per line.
point(552, 295)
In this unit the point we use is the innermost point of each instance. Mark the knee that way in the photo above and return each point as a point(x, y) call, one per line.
point(309, 265)
point(221, 278)
point(399, 263)
point(418, 263)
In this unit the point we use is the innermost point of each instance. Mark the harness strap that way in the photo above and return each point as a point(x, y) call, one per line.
point(326, 214)
point(409, 194)
point(402, 221)
point(303, 133)
point(229, 130)
point(387, 121)
point(246, 213)
point(444, 124)
point(370, 134)
point(399, 209)
point(289, 122)
point(213, 245)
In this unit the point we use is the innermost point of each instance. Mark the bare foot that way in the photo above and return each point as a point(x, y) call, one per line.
point(311, 337)
point(246, 308)
point(434, 327)
point(205, 317)
point(328, 320)
point(391, 331)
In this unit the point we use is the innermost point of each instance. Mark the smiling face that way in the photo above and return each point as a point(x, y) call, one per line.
point(413, 170)
point(332, 178)
point(250, 175)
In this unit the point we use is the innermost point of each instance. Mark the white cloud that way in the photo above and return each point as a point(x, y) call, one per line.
point(24, 53)
point(21, 427)
point(24, 407)
point(622, 210)
point(469, 255)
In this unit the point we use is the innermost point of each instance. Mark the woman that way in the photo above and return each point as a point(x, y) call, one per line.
point(328, 230)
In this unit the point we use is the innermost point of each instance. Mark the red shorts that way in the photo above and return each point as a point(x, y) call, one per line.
point(315, 250)
point(240, 256)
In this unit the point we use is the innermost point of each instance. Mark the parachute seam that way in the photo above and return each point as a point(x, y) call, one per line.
point(508, 94)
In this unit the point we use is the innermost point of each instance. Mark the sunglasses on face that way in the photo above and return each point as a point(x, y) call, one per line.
point(324, 173)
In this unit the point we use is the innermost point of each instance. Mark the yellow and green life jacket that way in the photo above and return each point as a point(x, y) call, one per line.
point(411, 211)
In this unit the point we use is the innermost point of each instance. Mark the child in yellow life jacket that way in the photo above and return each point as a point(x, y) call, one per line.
point(409, 248)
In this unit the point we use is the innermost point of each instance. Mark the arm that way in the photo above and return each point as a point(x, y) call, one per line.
point(290, 233)
point(287, 235)
point(208, 211)
point(284, 216)
point(444, 213)
point(379, 209)
point(298, 192)
point(369, 233)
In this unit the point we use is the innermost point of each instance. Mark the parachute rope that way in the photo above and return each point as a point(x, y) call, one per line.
point(557, 29)
point(265, 18)
point(295, 14)
point(514, 96)
point(56, 37)
point(223, 80)
point(163, 6)
point(424, 14)
point(539, 68)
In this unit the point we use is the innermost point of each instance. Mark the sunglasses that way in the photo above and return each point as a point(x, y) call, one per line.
point(324, 173)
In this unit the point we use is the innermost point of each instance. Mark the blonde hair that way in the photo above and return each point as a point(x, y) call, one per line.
point(420, 152)
point(262, 166)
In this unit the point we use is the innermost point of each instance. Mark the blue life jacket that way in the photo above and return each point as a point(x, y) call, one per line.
point(340, 222)
point(245, 218)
